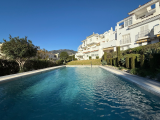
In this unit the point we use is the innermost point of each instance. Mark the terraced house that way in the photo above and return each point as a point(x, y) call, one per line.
point(141, 27)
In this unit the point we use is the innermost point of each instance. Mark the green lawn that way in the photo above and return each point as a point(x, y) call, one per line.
point(85, 62)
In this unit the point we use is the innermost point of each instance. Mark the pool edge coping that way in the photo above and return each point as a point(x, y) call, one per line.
point(7, 78)
point(150, 87)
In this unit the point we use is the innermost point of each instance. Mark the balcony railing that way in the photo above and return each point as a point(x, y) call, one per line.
point(92, 43)
point(125, 41)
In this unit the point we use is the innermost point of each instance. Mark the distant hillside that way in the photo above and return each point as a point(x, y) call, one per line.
point(70, 52)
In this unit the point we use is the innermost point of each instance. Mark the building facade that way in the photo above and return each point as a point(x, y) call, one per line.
point(141, 27)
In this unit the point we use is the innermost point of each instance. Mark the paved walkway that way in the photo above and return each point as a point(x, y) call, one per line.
point(147, 84)
point(24, 74)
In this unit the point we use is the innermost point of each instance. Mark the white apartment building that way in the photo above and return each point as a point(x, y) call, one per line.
point(141, 27)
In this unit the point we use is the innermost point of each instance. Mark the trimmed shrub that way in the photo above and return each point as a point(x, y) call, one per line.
point(105, 56)
point(118, 55)
point(118, 50)
point(97, 57)
point(127, 62)
point(90, 57)
point(110, 61)
point(114, 61)
point(137, 62)
point(118, 60)
point(142, 57)
point(132, 62)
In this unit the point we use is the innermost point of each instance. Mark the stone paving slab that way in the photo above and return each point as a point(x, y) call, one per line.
point(7, 78)
point(145, 83)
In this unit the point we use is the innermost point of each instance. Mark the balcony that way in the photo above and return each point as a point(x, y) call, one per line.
point(157, 30)
point(109, 44)
point(79, 54)
point(143, 35)
point(92, 43)
point(84, 46)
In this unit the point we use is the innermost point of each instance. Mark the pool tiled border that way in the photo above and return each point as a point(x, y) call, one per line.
point(144, 83)
point(25, 74)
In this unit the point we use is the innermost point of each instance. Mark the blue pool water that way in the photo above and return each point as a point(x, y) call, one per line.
point(76, 94)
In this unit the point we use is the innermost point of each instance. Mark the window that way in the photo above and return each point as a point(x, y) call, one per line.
point(144, 31)
point(130, 21)
point(125, 39)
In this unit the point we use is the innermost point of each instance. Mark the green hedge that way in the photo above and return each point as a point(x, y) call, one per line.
point(154, 61)
point(142, 57)
point(110, 61)
point(141, 49)
point(132, 62)
point(105, 56)
point(11, 67)
point(8, 67)
point(114, 61)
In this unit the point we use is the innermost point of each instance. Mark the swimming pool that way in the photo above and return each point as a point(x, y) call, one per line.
point(76, 93)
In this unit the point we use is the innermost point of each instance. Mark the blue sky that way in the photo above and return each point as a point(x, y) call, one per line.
point(61, 24)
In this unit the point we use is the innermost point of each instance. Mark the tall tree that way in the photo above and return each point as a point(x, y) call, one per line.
point(19, 49)
point(64, 56)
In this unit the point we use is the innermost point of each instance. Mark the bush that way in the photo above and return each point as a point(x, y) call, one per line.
point(90, 57)
point(97, 57)
point(123, 61)
point(59, 62)
point(132, 62)
point(104, 62)
point(135, 71)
